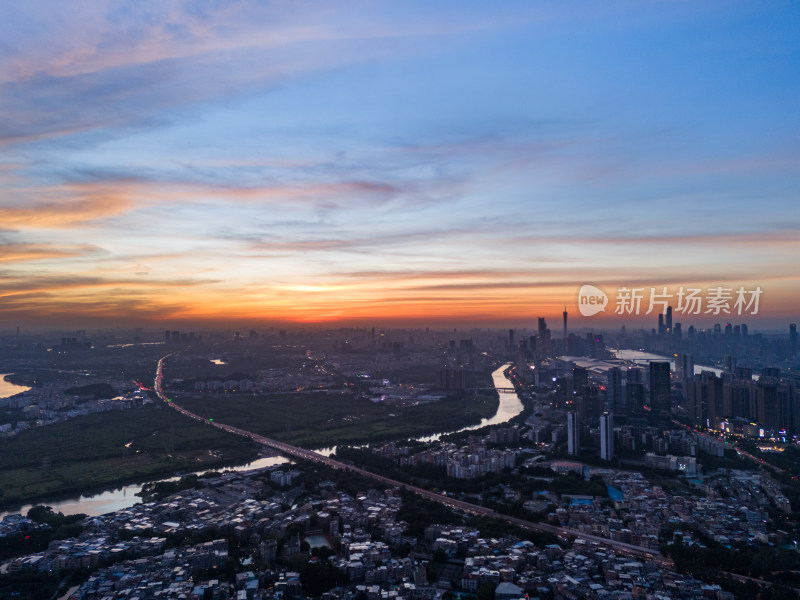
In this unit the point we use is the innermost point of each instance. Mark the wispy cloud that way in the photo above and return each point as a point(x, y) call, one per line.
point(26, 252)
point(132, 65)
point(15, 283)
point(358, 160)
point(71, 213)
point(75, 204)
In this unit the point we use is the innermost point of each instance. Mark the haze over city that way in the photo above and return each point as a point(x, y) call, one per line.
point(349, 300)
point(406, 163)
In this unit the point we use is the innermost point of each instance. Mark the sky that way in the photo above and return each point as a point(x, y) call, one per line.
point(391, 163)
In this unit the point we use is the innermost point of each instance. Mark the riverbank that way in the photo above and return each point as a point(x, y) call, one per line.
point(505, 407)
point(97, 502)
point(110, 449)
point(313, 421)
point(8, 388)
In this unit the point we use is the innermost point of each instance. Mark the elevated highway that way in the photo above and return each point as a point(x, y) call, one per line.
point(466, 507)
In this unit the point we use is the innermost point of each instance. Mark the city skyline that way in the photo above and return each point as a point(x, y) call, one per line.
point(394, 164)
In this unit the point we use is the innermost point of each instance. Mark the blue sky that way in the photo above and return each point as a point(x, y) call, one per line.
point(385, 162)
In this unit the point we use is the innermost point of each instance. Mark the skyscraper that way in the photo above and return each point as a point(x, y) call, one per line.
point(634, 398)
point(634, 375)
point(616, 395)
point(792, 340)
point(566, 339)
point(697, 400)
point(573, 434)
point(729, 363)
point(542, 346)
point(607, 436)
point(562, 392)
point(589, 405)
point(684, 366)
point(659, 389)
point(669, 320)
point(522, 357)
point(580, 379)
point(466, 349)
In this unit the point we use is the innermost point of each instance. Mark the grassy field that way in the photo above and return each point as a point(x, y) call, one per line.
point(110, 448)
point(319, 420)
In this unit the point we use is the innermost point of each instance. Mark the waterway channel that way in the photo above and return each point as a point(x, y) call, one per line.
point(10, 389)
point(123, 497)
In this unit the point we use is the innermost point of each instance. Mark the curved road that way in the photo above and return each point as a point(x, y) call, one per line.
point(466, 507)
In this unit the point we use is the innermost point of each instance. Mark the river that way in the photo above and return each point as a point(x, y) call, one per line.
point(123, 497)
point(640, 357)
point(510, 406)
point(10, 389)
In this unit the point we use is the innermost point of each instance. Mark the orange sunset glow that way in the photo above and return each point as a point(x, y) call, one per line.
point(255, 164)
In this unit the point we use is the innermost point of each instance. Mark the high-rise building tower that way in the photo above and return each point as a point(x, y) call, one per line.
point(511, 338)
point(792, 341)
point(634, 398)
point(466, 349)
point(589, 405)
point(729, 363)
point(616, 395)
point(669, 320)
point(580, 379)
point(697, 400)
point(659, 389)
point(684, 366)
point(522, 358)
point(634, 375)
point(573, 434)
point(541, 342)
point(607, 436)
point(566, 339)
point(715, 400)
point(661, 328)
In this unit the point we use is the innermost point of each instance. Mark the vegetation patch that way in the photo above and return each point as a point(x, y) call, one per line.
point(110, 448)
point(318, 420)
